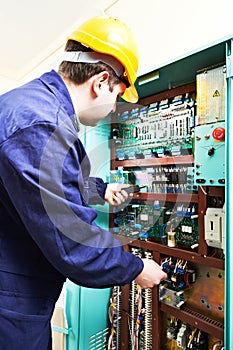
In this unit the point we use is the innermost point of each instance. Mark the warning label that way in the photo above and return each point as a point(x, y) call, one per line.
point(216, 93)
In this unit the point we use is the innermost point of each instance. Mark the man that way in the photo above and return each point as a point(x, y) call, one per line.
point(47, 228)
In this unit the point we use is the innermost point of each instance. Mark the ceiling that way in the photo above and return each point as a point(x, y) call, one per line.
point(33, 33)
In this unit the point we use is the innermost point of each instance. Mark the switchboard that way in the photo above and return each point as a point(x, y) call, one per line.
point(172, 146)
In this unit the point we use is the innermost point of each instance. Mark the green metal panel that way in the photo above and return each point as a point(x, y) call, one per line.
point(93, 316)
point(73, 314)
point(96, 143)
point(86, 312)
point(98, 150)
point(229, 202)
point(87, 308)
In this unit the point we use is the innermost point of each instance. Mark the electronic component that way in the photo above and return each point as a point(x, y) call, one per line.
point(187, 228)
point(159, 130)
point(171, 238)
point(174, 226)
point(171, 297)
point(173, 328)
point(211, 90)
point(215, 227)
point(119, 176)
point(184, 336)
point(197, 340)
point(209, 160)
point(179, 277)
point(181, 337)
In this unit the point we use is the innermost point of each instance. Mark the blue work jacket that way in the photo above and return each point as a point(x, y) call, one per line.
point(47, 228)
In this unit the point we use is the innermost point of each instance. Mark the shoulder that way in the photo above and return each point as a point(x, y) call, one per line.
point(39, 101)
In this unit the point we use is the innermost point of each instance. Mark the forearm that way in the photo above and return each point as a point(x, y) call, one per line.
point(96, 190)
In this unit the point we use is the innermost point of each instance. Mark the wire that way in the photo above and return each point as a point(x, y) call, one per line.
point(138, 302)
point(112, 312)
point(191, 338)
point(218, 345)
point(205, 193)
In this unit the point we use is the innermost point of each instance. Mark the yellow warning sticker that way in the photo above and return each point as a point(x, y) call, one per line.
point(216, 93)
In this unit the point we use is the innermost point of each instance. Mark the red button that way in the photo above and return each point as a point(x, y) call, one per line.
point(219, 133)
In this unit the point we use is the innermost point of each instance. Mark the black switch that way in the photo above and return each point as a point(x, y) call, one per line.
point(211, 151)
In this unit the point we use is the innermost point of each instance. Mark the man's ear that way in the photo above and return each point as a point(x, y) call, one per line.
point(99, 81)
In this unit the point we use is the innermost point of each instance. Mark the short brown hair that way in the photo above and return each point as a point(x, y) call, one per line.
point(79, 73)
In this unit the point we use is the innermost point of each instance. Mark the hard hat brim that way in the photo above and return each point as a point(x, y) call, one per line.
point(130, 94)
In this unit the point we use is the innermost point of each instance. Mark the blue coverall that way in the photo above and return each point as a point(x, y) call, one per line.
point(47, 229)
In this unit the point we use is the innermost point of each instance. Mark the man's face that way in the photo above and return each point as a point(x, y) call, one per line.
point(103, 105)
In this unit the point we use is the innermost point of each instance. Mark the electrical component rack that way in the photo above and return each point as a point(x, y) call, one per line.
point(179, 214)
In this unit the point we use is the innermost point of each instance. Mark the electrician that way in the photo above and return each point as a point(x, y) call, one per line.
point(47, 228)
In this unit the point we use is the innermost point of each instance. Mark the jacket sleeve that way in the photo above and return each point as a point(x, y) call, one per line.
point(97, 188)
point(45, 187)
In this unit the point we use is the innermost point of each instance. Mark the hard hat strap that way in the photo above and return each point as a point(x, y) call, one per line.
point(95, 57)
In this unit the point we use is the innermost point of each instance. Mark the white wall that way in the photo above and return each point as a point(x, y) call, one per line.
point(168, 29)
point(165, 31)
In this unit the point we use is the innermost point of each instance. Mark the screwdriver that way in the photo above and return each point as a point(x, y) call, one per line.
point(133, 189)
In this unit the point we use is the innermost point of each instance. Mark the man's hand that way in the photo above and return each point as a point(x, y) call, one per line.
point(115, 194)
point(151, 275)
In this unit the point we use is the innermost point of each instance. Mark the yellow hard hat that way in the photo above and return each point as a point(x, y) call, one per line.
point(107, 35)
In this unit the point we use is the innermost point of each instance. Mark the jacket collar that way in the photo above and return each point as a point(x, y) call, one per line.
point(54, 83)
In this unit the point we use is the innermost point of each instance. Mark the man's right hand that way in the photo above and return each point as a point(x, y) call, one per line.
point(151, 275)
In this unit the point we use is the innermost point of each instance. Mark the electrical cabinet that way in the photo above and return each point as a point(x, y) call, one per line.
point(173, 145)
